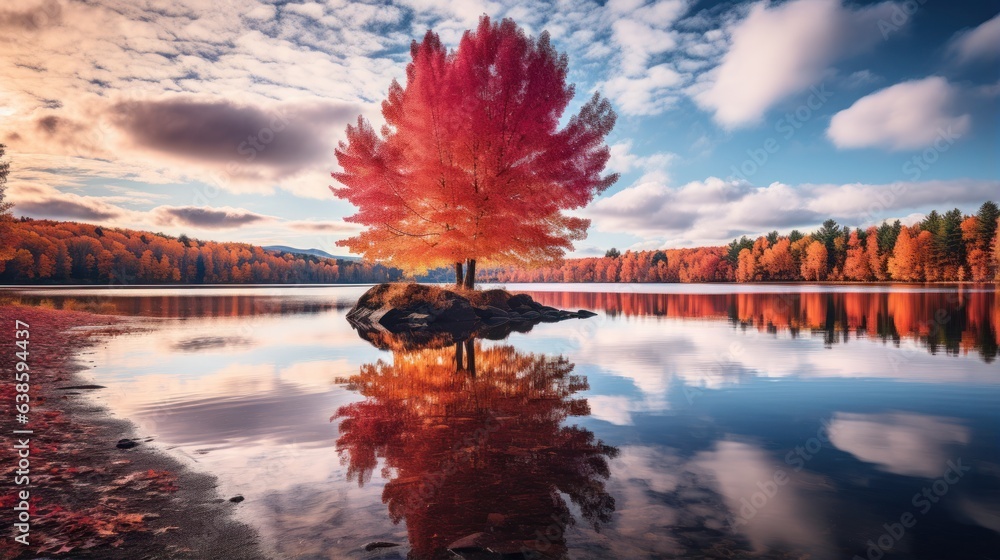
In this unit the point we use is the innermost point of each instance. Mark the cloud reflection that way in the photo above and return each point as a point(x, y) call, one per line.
point(900, 443)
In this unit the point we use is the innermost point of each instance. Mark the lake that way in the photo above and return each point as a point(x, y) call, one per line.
point(684, 421)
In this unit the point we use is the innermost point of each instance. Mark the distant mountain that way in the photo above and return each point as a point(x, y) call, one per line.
point(313, 252)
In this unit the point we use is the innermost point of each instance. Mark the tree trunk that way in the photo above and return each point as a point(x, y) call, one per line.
point(470, 356)
point(459, 358)
point(470, 275)
point(458, 275)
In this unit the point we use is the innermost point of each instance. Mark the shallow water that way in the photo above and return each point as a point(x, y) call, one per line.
point(689, 421)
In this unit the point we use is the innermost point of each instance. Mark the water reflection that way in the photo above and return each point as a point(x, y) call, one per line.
point(955, 321)
point(476, 449)
point(494, 443)
point(181, 303)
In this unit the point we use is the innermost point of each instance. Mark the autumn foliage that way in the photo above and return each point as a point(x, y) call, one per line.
point(472, 163)
point(44, 251)
point(945, 247)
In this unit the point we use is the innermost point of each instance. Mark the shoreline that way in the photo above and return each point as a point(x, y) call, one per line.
point(90, 498)
point(491, 282)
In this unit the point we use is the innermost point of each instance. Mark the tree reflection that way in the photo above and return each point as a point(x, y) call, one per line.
point(956, 322)
point(475, 448)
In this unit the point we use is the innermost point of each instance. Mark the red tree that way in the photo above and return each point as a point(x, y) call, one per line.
point(471, 163)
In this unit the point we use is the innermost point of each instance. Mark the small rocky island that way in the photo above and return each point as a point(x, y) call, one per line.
point(420, 312)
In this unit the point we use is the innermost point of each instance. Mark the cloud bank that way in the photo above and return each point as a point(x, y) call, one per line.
point(714, 211)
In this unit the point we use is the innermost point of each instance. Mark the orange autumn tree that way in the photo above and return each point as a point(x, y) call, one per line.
point(471, 163)
point(814, 265)
point(857, 264)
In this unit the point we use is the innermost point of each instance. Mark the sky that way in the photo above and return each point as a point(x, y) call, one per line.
point(219, 119)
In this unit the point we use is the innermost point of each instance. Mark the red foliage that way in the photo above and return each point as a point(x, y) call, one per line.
point(61, 519)
point(472, 163)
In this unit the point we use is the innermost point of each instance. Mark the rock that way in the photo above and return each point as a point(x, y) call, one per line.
point(71, 387)
point(379, 544)
point(583, 314)
point(459, 312)
point(490, 311)
point(392, 320)
point(389, 315)
point(497, 311)
point(237, 499)
point(520, 300)
point(495, 298)
point(126, 444)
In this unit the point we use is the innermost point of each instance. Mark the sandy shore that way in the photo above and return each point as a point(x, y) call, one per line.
point(89, 496)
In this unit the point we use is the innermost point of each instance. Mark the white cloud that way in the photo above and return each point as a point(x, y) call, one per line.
point(909, 115)
point(638, 41)
point(311, 10)
point(639, 33)
point(982, 43)
point(780, 50)
point(624, 160)
point(648, 94)
point(714, 211)
point(116, 53)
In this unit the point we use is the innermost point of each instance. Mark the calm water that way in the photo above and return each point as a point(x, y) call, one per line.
point(683, 421)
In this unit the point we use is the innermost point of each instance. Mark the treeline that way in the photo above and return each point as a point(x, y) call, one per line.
point(44, 251)
point(946, 247)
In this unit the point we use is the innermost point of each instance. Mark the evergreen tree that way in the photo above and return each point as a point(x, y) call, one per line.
point(734, 248)
point(987, 216)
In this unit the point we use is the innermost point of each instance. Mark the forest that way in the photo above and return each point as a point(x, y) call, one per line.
point(943, 247)
point(50, 252)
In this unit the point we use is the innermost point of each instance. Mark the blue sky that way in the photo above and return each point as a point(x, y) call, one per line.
point(734, 117)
